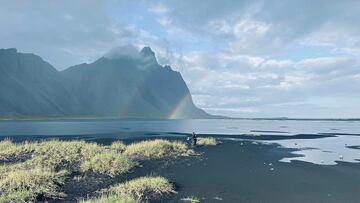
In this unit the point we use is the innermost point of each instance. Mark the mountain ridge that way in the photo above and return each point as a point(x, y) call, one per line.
point(120, 86)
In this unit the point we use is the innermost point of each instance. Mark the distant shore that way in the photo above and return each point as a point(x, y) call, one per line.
point(80, 118)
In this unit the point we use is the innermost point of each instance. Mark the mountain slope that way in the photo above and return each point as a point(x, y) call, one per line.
point(32, 87)
point(132, 86)
point(120, 85)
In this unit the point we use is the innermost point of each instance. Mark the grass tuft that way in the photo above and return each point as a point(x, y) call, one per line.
point(12, 151)
point(18, 197)
point(144, 189)
point(118, 146)
point(35, 171)
point(42, 172)
point(28, 185)
point(6, 144)
point(109, 163)
point(111, 199)
point(207, 141)
point(59, 155)
point(157, 149)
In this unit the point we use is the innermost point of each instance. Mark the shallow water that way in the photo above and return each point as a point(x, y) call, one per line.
point(320, 141)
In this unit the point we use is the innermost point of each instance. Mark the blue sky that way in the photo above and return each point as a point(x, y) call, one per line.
point(244, 58)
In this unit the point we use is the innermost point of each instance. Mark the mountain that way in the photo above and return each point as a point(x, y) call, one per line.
point(30, 86)
point(120, 84)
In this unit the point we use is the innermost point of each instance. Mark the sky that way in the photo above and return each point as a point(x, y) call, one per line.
point(240, 58)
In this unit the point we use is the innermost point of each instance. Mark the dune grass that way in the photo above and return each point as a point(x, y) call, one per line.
point(6, 144)
point(110, 199)
point(206, 141)
point(43, 167)
point(43, 172)
point(68, 155)
point(10, 150)
point(18, 197)
point(26, 185)
point(118, 146)
point(157, 149)
point(109, 163)
point(143, 189)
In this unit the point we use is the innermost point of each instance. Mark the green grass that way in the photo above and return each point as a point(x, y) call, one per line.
point(26, 185)
point(38, 169)
point(18, 197)
point(118, 146)
point(143, 189)
point(6, 168)
point(6, 144)
point(68, 155)
point(206, 141)
point(110, 199)
point(10, 150)
point(109, 163)
point(157, 149)
point(41, 174)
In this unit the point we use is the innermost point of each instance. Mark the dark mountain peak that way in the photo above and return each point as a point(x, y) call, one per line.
point(148, 58)
point(167, 67)
point(147, 51)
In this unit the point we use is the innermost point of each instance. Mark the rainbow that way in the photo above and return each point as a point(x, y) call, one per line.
point(175, 113)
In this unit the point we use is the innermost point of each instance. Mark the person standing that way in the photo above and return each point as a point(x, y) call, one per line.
point(194, 138)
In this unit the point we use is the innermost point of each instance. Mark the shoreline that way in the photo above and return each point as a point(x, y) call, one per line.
point(215, 117)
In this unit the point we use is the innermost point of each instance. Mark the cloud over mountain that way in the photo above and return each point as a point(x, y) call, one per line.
point(240, 58)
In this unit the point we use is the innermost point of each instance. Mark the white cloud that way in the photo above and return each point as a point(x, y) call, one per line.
point(159, 9)
point(250, 27)
point(241, 58)
point(240, 83)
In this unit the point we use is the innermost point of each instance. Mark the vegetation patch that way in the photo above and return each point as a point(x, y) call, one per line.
point(69, 155)
point(6, 144)
point(48, 163)
point(118, 146)
point(109, 163)
point(207, 141)
point(11, 152)
point(110, 199)
point(29, 185)
point(157, 149)
point(143, 189)
point(18, 197)
point(36, 171)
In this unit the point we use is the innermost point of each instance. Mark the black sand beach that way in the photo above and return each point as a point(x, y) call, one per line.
point(245, 167)
point(252, 173)
point(242, 171)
